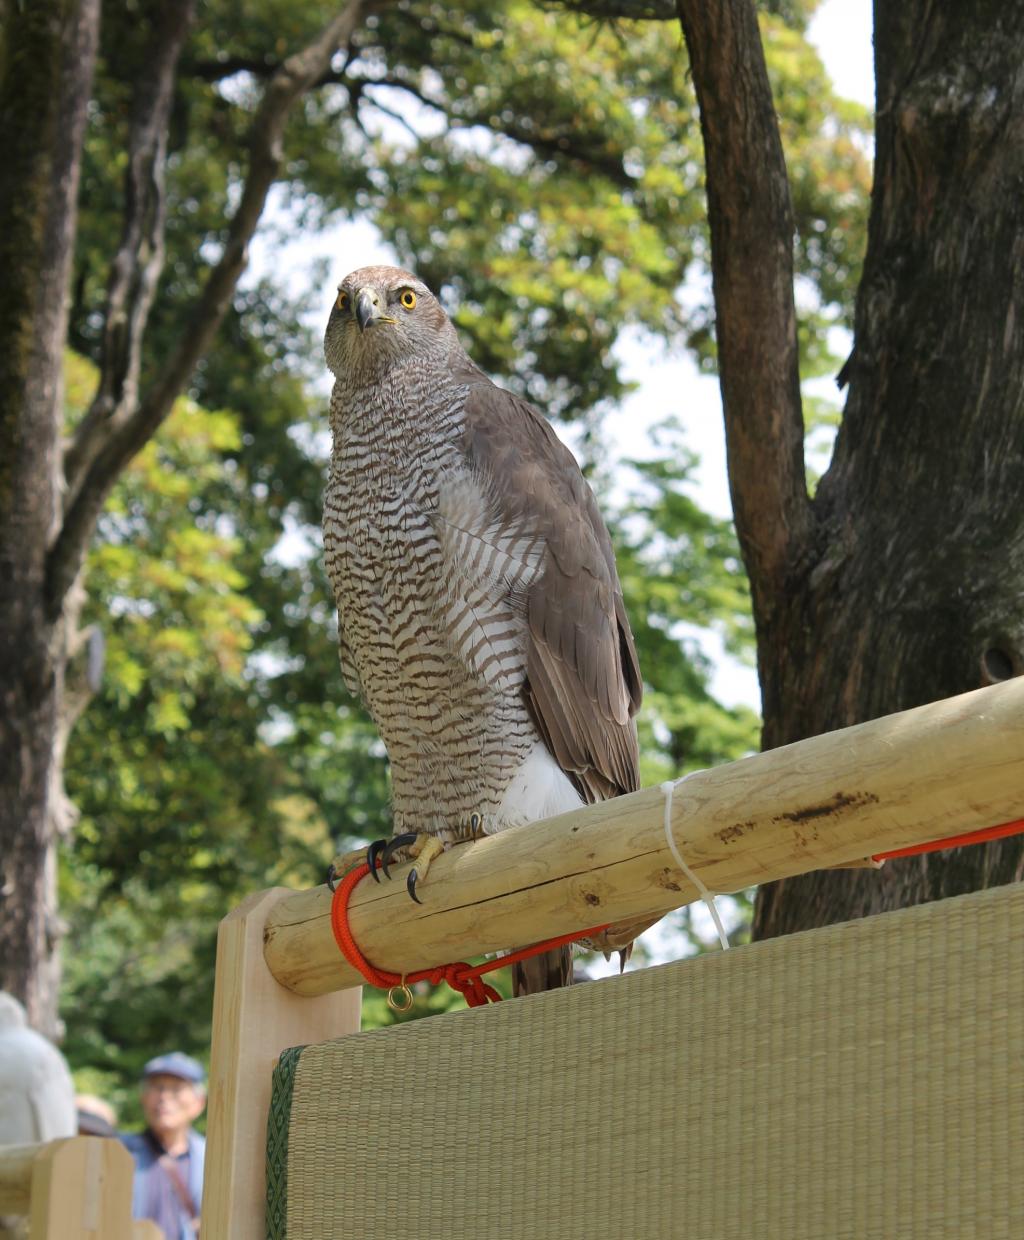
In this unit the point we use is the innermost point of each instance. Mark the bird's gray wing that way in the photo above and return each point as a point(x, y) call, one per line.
point(583, 683)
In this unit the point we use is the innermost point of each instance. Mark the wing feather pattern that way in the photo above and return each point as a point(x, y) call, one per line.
point(349, 671)
point(583, 683)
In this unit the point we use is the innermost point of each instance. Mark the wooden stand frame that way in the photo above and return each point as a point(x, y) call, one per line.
point(906, 779)
point(254, 1020)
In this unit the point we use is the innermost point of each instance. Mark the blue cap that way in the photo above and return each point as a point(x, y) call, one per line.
point(175, 1064)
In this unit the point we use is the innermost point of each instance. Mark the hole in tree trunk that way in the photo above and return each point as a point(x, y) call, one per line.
point(997, 665)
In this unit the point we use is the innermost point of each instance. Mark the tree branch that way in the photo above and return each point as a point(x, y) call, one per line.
point(630, 10)
point(548, 146)
point(218, 70)
point(751, 223)
point(291, 81)
point(397, 117)
point(564, 145)
point(140, 257)
point(643, 10)
point(265, 67)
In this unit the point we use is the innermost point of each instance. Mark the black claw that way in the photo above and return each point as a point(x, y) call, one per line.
point(372, 854)
point(392, 846)
point(332, 877)
point(410, 885)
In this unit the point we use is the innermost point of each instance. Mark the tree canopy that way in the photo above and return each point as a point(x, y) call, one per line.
point(544, 171)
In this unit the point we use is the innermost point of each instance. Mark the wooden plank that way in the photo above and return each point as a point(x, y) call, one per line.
point(146, 1229)
point(935, 771)
point(16, 1177)
point(254, 1019)
point(82, 1190)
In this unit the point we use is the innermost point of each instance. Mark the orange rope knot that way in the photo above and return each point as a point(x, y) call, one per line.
point(467, 979)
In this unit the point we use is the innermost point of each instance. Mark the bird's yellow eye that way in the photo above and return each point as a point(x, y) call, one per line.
point(342, 301)
point(408, 298)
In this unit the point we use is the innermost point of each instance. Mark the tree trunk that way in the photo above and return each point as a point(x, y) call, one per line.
point(49, 51)
point(900, 582)
point(913, 591)
point(50, 499)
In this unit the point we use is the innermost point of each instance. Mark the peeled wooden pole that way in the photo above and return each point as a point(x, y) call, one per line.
point(935, 771)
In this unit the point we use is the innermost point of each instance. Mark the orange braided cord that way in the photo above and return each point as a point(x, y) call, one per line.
point(956, 841)
point(465, 978)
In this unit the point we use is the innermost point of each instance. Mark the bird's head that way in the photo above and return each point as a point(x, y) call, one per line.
point(383, 316)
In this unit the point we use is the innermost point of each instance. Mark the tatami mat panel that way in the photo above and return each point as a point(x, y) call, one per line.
point(859, 1082)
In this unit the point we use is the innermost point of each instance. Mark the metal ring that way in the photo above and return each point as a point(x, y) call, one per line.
point(393, 1002)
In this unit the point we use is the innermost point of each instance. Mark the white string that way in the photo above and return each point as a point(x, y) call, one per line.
point(668, 788)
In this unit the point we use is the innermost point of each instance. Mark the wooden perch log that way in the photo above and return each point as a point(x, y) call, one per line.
point(928, 773)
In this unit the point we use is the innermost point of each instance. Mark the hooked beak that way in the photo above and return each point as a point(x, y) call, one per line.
point(367, 308)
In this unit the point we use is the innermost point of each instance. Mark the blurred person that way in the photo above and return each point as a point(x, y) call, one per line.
point(37, 1098)
point(96, 1118)
point(169, 1153)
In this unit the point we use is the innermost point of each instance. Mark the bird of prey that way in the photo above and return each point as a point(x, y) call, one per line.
point(480, 614)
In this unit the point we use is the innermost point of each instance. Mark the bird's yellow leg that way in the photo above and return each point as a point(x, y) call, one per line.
point(420, 848)
point(423, 852)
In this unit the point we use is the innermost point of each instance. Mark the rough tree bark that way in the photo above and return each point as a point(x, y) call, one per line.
point(49, 50)
point(51, 494)
point(900, 582)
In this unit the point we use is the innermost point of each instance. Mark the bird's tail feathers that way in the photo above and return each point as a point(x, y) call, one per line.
point(548, 971)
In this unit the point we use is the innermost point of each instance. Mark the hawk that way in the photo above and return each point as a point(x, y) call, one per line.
point(480, 614)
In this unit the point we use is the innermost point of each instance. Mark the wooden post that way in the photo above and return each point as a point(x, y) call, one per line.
point(146, 1229)
point(921, 775)
point(254, 1019)
point(16, 1177)
point(75, 1188)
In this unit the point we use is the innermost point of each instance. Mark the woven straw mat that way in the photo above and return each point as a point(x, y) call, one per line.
point(858, 1082)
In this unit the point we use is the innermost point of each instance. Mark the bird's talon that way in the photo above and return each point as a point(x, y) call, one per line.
point(332, 876)
point(392, 846)
point(422, 849)
point(372, 853)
